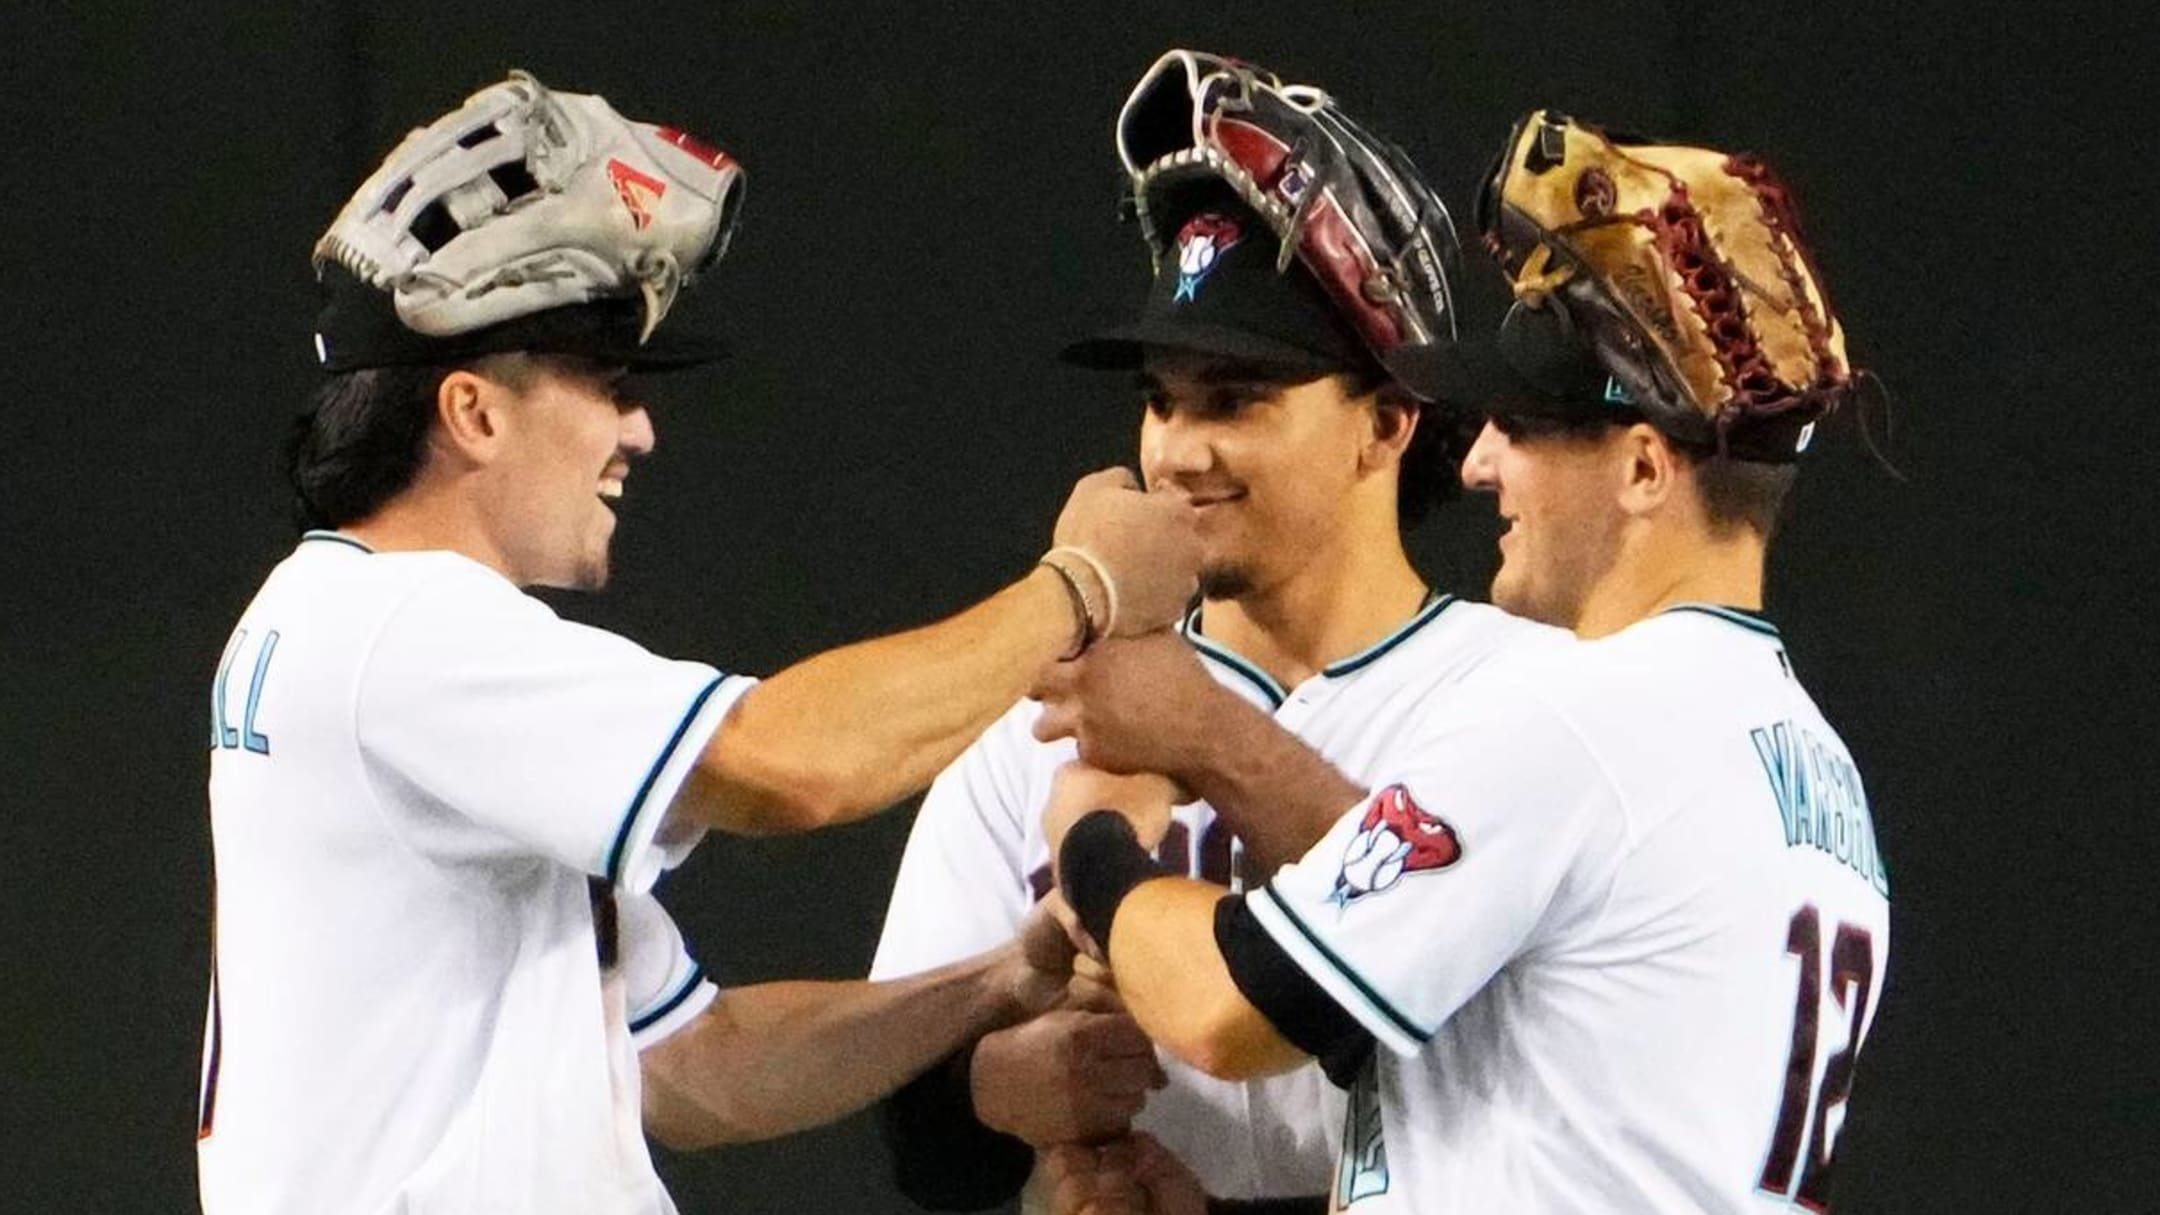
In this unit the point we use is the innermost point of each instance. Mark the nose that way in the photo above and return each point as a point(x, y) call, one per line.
point(1481, 468)
point(1173, 446)
point(636, 436)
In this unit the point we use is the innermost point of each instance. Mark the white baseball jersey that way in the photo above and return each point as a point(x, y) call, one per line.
point(415, 771)
point(977, 860)
point(1619, 922)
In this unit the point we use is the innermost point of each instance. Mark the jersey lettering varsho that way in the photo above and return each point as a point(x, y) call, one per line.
point(977, 861)
point(1619, 919)
point(407, 795)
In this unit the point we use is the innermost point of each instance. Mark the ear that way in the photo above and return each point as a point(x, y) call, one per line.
point(1648, 469)
point(1394, 422)
point(469, 415)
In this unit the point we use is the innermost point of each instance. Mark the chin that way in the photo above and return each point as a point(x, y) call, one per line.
point(1510, 595)
point(1225, 582)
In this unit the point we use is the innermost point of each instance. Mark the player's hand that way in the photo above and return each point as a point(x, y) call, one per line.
point(1039, 975)
point(1094, 1179)
point(1066, 1076)
point(1079, 790)
point(1170, 1187)
point(1092, 986)
point(1147, 545)
point(1089, 965)
point(1135, 1174)
point(1142, 704)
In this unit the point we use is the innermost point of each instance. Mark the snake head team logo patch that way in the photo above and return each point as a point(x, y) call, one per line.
point(1396, 837)
point(1200, 243)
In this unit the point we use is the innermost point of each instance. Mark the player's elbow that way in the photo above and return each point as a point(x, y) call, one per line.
point(697, 1127)
point(751, 781)
point(697, 1097)
point(1224, 1059)
point(1226, 1038)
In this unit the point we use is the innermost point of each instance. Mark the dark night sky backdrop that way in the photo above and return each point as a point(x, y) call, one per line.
point(931, 212)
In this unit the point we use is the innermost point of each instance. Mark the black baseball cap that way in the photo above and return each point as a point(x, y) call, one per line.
point(358, 328)
point(1218, 291)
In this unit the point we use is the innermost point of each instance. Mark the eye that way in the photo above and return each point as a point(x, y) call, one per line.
point(1156, 404)
point(1230, 402)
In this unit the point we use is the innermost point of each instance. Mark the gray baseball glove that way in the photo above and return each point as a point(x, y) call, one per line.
point(526, 200)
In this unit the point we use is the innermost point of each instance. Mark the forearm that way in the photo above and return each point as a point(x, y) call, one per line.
point(776, 1058)
point(1177, 986)
point(852, 730)
point(1277, 794)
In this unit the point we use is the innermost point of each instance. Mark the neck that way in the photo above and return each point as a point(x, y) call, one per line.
point(425, 519)
point(1658, 570)
point(1326, 610)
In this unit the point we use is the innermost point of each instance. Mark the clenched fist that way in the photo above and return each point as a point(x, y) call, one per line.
point(1142, 550)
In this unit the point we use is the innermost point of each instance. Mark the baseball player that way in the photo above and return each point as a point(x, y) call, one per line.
point(1298, 415)
point(427, 790)
point(1610, 936)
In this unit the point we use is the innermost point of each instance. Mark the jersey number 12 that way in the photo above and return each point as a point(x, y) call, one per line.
point(1852, 976)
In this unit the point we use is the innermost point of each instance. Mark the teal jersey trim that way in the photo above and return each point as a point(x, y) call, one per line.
point(1433, 606)
point(1751, 621)
point(672, 1002)
point(1343, 968)
point(652, 774)
point(334, 538)
point(1228, 658)
point(1276, 694)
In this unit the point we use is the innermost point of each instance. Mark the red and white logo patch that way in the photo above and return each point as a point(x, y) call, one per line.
point(1203, 240)
point(1397, 837)
point(640, 192)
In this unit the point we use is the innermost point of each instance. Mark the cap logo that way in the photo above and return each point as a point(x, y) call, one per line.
point(639, 192)
point(1616, 393)
point(1201, 243)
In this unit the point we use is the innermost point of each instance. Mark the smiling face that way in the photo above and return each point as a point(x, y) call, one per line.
point(568, 438)
point(1273, 469)
point(1558, 491)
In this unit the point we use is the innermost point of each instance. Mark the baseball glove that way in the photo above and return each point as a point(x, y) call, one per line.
point(1681, 269)
point(1351, 206)
point(525, 200)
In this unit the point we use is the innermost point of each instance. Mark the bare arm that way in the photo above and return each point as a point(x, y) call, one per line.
point(776, 1058)
point(1276, 793)
point(848, 732)
point(1165, 939)
point(1146, 705)
point(1177, 986)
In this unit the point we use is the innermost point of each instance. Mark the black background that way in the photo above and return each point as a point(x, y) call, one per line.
point(931, 212)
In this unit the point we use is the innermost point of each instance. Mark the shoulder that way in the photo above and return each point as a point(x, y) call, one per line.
point(1448, 639)
point(1482, 627)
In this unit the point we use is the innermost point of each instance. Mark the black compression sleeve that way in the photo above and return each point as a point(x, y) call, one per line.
point(1299, 1009)
point(1099, 863)
point(944, 1158)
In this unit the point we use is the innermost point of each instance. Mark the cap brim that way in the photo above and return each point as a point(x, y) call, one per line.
point(664, 352)
point(1125, 347)
point(359, 328)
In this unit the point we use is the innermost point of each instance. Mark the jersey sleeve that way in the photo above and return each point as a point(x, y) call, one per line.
point(962, 886)
point(664, 987)
point(1486, 836)
point(550, 737)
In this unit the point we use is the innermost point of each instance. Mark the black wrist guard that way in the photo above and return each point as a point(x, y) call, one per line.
point(1098, 865)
